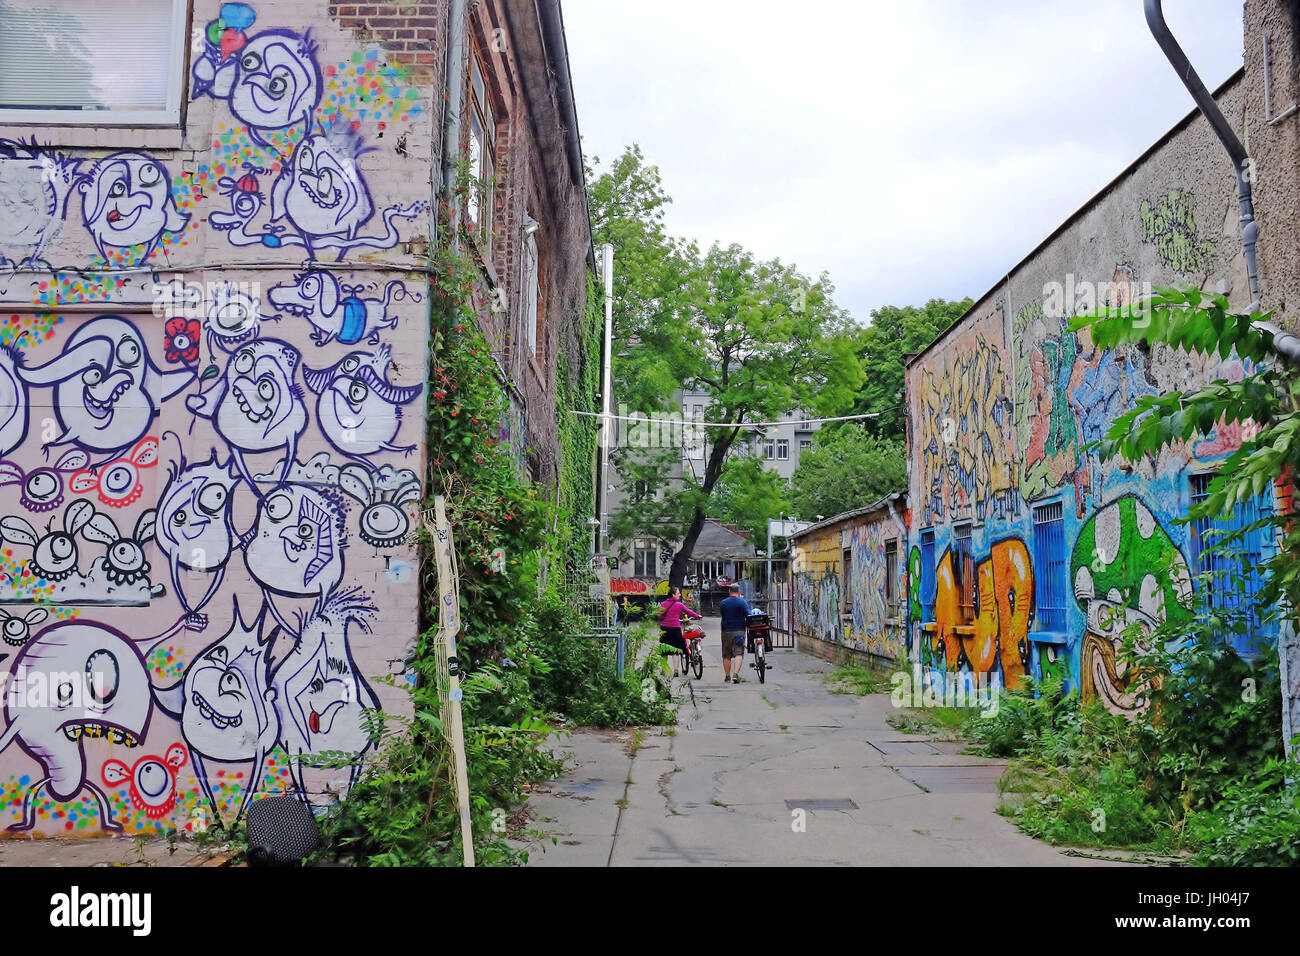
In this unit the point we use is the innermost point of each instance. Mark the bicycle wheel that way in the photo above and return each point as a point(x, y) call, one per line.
point(697, 665)
point(760, 662)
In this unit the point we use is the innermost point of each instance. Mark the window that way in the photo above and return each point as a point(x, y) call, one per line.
point(963, 568)
point(640, 489)
point(846, 579)
point(804, 445)
point(782, 449)
point(699, 412)
point(482, 152)
point(892, 591)
point(1049, 560)
point(929, 584)
point(533, 285)
point(805, 424)
point(769, 450)
point(1233, 566)
point(86, 62)
point(644, 557)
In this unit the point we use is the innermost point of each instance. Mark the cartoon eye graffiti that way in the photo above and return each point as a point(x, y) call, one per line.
point(148, 174)
point(278, 507)
point(212, 499)
point(54, 554)
point(93, 375)
point(278, 86)
point(123, 562)
point(152, 781)
point(42, 489)
point(306, 159)
point(17, 630)
point(383, 523)
point(251, 62)
point(118, 189)
point(244, 362)
point(102, 676)
point(118, 484)
point(266, 389)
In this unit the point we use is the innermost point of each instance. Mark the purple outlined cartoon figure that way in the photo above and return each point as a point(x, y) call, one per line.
point(256, 406)
point(359, 410)
point(270, 80)
point(337, 311)
point(107, 390)
point(126, 200)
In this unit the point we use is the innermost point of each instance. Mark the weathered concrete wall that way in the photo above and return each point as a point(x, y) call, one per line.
point(863, 621)
point(1002, 406)
point(205, 498)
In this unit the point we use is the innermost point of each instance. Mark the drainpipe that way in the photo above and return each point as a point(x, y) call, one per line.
point(451, 127)
point(1285, 343)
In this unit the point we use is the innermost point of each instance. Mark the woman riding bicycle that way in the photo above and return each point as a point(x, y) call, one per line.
point(670, 624)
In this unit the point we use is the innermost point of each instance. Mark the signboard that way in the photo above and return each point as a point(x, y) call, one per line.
point(786, 527)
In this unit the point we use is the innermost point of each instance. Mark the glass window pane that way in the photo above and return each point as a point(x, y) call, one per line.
point(87, 55)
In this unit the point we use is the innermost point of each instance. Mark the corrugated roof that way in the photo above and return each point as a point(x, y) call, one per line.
point(827, 522)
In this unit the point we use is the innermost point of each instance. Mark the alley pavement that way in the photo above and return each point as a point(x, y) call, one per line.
point(724, 786)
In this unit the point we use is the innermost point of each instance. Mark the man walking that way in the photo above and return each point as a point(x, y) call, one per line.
point(735, 615)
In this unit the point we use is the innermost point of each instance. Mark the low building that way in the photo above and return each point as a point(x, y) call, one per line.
point(849, 583)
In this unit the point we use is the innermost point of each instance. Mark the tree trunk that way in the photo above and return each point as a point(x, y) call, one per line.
point(712, 472)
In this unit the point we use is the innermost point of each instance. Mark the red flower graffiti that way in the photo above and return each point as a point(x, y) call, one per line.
point(181, 340)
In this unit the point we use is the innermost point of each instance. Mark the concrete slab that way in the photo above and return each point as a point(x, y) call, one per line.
point(713, 790)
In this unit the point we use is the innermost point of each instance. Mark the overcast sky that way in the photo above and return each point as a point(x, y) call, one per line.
point(912, 149)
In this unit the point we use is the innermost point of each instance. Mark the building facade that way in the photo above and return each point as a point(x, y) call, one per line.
point(849, 583)
point(1027, 554)
point(214, 271)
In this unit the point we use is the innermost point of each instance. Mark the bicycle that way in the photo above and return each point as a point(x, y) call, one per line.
point(694, 658)
point(759, 627)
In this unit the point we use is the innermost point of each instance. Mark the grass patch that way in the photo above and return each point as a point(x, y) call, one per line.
point(852, 679)
point(943, 723)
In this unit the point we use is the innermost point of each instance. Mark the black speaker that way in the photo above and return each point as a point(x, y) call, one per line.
point(281, 831)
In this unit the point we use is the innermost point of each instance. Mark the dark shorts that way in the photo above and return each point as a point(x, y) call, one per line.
point(672, 636)
point(730, 648)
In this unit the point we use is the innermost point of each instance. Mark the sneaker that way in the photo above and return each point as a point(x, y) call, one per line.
point(736, 679)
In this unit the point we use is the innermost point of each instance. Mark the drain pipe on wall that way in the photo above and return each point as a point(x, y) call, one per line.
point(1286, 343)
point(455, 81)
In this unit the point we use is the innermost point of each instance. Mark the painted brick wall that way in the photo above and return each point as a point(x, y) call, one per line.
point(204, 503)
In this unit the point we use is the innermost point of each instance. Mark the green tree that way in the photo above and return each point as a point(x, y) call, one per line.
point(759, 337)
point(747, 495)
point(893, 333)
point(846, 468)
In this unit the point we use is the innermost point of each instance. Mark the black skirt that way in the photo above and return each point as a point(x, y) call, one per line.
point(672, 636)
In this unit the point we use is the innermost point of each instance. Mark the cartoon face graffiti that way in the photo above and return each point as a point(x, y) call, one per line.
point(117, 484)
point(277, 82)
point(321, 190)
point(232, 316)
point(359, 410)
point(298, 541)
point(127, 201)
point(42, 489)
point(1120, 580)
point(54, 554)
point(151, 782)
point(337, 311)
point(107, 390)
point(383, 523)
point(320, 696)
point(256, 406)
point(17, 629)
point(94, 685)
point(194, 528)
point(225, 703)
point(123, 562)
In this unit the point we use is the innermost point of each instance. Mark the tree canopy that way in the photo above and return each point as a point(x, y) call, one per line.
point(846, 468)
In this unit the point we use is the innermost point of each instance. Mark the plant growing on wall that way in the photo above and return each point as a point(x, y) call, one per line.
point(1264, 403)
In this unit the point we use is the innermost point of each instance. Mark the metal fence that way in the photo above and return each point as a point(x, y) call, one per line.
point(587, 592)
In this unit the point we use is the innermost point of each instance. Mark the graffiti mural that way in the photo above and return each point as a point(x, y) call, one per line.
point(1126, 571)
point(209, 475)
point(817, 604)
point(983, 626)
point(965, 448)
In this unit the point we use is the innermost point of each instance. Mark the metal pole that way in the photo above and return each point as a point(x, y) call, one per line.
point(607, 396)
point(768, 587)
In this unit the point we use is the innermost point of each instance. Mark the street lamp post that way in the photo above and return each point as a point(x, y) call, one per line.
point(606, 392)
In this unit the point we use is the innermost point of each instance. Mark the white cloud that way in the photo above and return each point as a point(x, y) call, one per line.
point(911, 149)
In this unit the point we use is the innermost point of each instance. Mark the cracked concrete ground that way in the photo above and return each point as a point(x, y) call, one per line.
point(722, 787)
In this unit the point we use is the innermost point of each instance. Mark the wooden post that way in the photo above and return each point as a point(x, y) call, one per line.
point(448, 628)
